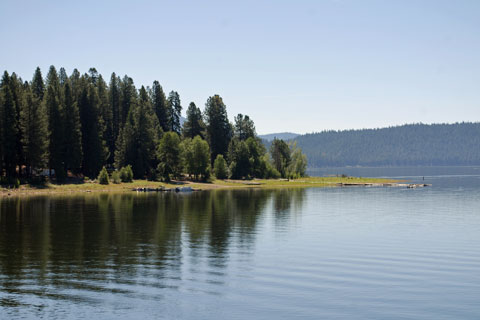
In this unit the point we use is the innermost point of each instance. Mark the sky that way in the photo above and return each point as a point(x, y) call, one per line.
point(297, 66)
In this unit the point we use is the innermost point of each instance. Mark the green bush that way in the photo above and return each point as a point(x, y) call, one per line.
point(220, 167)
point(16, 184)
point(103, 176)
point(116, 177)
point(270, 171)
point(126, 174)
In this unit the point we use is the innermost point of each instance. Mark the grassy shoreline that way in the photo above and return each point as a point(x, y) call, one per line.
point(88, 187)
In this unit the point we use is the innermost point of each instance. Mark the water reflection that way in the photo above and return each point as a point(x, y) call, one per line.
point(79, 248)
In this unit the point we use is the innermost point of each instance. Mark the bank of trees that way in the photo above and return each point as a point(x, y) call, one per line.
point(73, 126)
point(456, 144)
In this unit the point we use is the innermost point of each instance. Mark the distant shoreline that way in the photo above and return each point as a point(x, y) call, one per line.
point(94, 187)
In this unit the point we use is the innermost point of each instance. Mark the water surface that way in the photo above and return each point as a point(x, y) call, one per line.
point(343, 253)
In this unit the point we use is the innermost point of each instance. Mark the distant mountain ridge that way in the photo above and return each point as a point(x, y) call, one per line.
point(406, 145)
point(280, 135)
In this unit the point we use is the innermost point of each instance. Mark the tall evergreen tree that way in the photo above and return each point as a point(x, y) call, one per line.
point(62, 76)
point(160, 105)
point(240, 166)
point(38, 87)
point(73, 145)
point(35, 131)
point(244, 127)
point(146, 135)
point(128, 97)
point(56, 137)
point(53, 80)
point(16, 87)
point(93, 146)
point(93, 76)
point(194, 125)
point(219, 130)
point(125, 146)
point(1, 129)
point(56, 133)
point(106, 118)
point(136, 145)
point(174, 112)
point(75, 84)
point(114, 99)
point(9, 127)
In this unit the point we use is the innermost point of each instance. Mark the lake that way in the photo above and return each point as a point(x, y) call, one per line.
point(319, 253)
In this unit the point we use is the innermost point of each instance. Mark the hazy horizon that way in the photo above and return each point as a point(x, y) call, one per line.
point(371, 128)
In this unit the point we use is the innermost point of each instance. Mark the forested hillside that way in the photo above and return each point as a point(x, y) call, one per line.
point(414, 144)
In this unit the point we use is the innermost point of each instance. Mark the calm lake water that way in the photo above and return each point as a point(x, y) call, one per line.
point(333, 253)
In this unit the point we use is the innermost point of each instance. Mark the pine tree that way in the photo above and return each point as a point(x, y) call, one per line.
point(93, 76)
point(114, 99)
point(128, 97)
point(93, 146)
point(125, 146)
point(240, 166)
point(53, 80)
point(160, 105)
point(75, 84)
point(138, 137)
point(62, 76)
point(56, 132)
point(194, 125)
point(35, 132)
point(1, 131)
point(9, 127)
point(73, 145)
point(38, 87)
point(145, 134)
point(174, 112)
point(106, 115)
point(219, 130)
point(56, 137)
point(244, 127)
point(16, 87)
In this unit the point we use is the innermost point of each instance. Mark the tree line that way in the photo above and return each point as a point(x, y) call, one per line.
point(76, 125)
point(406, 145)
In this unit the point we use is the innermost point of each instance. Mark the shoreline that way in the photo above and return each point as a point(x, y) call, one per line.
point(94, 187)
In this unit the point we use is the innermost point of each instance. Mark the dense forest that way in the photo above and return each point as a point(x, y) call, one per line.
point(414, 144)
point(79, 125)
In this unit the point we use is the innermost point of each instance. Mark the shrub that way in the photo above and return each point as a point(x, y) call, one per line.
point(126, 174)
point(16, 184)
point(103, 176)
point(271, 172)
point(116, 177)
point(220, 167)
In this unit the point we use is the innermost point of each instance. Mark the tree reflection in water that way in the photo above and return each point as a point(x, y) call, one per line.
point(84, 241)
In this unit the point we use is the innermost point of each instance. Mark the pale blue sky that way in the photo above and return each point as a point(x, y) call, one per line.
point(297, 66)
